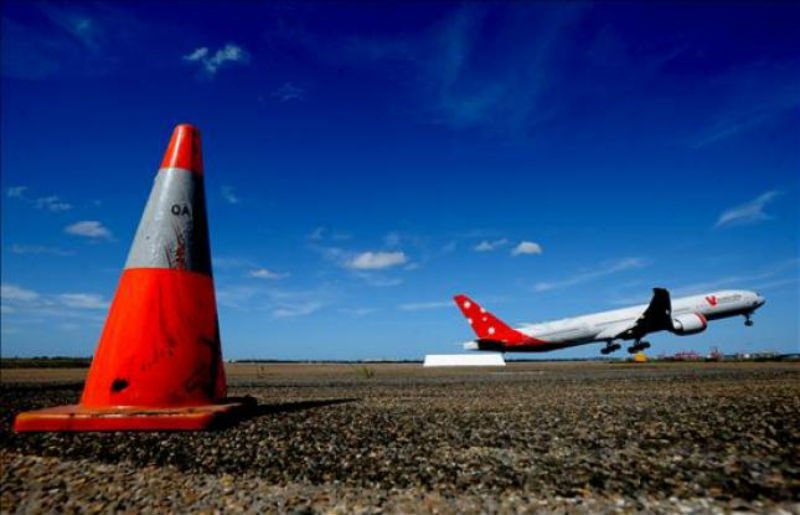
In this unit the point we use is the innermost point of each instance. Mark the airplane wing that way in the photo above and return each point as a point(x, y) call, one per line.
point(656, 317)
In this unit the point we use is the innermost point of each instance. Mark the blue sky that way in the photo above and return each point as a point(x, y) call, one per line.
point(366, 162)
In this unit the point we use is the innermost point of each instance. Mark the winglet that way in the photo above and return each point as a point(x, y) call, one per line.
point(486, 325)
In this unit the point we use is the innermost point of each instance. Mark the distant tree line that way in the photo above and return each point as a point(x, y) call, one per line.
point(45, 362)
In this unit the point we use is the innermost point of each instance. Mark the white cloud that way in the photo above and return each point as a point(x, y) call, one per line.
point(16, 191)
point(377, 260)
point(39, 249)
point(83, 301)
point(263, 273)
point(230, 53)
point(289, 91)
point(52, 203)
point(748, 213)
point(89, 229)
point(489, 246)
point(13, 293)
point(526, 247)
point(296, 310)
point(589, 275)
point(421, 306)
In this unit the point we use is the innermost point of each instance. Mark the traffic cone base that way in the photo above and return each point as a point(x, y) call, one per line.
point(158, 364)
point(76, 417)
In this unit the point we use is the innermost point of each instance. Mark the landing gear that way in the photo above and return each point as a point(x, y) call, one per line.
point(747, 320)
point(609, 348)
point(638, 346)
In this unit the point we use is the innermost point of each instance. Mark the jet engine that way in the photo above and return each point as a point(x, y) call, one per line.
point(691, 323)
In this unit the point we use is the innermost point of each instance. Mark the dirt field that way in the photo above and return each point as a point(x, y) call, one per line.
point(531, 437)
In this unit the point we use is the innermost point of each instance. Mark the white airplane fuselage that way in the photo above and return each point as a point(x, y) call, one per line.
point(690, 315)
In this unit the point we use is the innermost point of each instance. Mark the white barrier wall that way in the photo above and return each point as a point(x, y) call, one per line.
point(487, 359)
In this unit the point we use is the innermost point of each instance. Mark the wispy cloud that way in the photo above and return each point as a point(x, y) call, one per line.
point(526, 247)
point(40, 249)
point(379, 280)
point(13, 293)
point(748, 213)
point(358, 312)
point(377, 260)
point(505, 86)
point(229, 195)
point(238, 297)
point(20, 303)
point(322, 233)
point(264, 273)
point(423, 306)
point(78, 24)
point(53, 204)
point(523, 65)
point(76, 38)
point(89, 229)
point(16, 191)
point(29, 53)
point(392, 239)
point(211, 63)
point(277, 302)
point(750, 97)
point(317, 234)
point(622, 265)
point(83, 301)
point(288, 92)
point(297, 310)
point(489, 246)
point(772, 275)
point(232, 262)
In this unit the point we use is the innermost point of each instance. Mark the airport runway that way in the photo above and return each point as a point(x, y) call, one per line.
point(533, 437)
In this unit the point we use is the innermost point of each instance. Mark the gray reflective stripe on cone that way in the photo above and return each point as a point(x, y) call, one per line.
point(173, 231)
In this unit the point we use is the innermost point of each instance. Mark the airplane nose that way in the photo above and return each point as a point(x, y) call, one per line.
point(760, 301)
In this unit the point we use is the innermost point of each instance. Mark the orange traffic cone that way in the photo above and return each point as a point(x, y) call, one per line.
point(158, 365)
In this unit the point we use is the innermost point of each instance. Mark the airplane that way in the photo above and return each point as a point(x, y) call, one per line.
point(683, 316)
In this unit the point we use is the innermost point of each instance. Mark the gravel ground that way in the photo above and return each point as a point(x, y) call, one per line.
point(576, 438)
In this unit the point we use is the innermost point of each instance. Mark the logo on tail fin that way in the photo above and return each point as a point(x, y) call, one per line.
point(489, 327)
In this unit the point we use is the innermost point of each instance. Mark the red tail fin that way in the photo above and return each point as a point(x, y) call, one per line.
point(486, 325)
